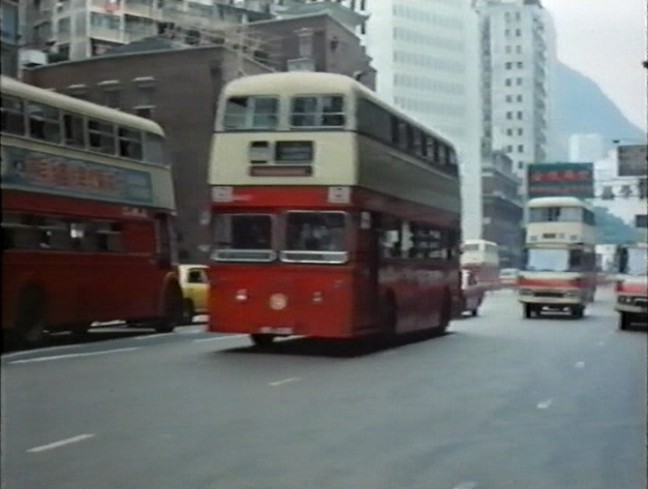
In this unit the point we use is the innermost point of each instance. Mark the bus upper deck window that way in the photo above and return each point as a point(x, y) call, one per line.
point(317, 111)
point(13, 115)
point(251, 113)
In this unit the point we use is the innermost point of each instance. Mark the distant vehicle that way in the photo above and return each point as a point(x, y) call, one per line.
point(195, 290)
point(508, 277)
point(87, 211)
point(335, 215)
point(482, 258)
point(632, 284)
point(559, 270)
point(472, 292)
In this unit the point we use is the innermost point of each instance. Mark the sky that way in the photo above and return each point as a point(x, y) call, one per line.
point(605, 40)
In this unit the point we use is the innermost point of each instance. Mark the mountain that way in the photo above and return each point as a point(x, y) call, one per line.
point(583, 108)
point(611, 229)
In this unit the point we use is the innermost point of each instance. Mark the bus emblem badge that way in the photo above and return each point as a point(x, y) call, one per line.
point(278, 302)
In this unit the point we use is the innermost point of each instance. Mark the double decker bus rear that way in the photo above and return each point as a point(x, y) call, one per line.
point(632, 284)
point(334, 216)
point(86, 217)
point(482, 258)
point(559, 271)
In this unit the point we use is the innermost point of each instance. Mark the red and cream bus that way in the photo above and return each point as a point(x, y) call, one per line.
point(482, 258)
point(334, 215)
point(559, 271)
point(87, 209)
point(632, 284)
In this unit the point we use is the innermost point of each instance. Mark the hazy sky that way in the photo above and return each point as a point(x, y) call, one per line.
point(606, 41)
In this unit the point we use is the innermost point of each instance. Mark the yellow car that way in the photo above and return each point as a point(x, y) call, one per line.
point(195, 290)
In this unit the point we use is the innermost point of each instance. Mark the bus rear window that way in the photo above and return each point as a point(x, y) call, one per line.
point(251, 113)
point(243, 237)
point(317, 111)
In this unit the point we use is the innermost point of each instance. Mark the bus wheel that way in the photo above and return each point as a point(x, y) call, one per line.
point(188, 311)
point(30, 322)
point(624, 321)
point(578, 312)
point(173, 310)
point(262, 340)
point(528, 311)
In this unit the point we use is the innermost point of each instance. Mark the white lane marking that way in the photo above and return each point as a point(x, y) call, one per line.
point(40, 350)
point(221, 338)
point(74, 355)
point(544, 404)
point(146, 337)
point(191, 330)
point(284, 381)
point(56, 444)
point(466, 485)
point(579, 364)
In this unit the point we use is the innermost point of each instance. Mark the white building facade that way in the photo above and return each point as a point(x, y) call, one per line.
point(426, 53)
point(518, 62)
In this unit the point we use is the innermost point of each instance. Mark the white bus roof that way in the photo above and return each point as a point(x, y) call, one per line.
point(557, 202)
point(11, 86)
point(312, 83)
point(478, 241)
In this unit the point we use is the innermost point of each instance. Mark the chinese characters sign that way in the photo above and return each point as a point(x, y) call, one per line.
point(633, 161)
point(35, 171)
point(561, 179)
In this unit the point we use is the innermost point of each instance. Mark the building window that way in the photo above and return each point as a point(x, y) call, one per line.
point(508, 82)
point(520, 115)
point(519, 98)
point(520, 132)
point(520, 165)
point(520, 64)
point(509, 115)
point(508, 65)
point(509, 149)
point(64, 26)
point(520, 148)
point(507, 32)
point(508, 49)
point(509, 132)
point(519, 81)
point(517, 16)
point(518, 49)
point(518, 32)
point(509, 98)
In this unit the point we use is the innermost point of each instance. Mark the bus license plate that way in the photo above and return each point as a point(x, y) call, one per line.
point(283, 331)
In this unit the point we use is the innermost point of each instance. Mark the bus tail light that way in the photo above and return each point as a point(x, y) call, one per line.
point(618, 286)
point(318, 298)
point(241, 295)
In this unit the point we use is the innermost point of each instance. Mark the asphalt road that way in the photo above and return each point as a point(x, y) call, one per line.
point(499, 402)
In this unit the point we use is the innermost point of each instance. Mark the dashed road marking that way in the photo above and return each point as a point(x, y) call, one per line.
point(221, 338)
point(60, 443)
point(73, 355)
point(545, 404)
point(466, 485)
point(284, 381)
point(148, 336)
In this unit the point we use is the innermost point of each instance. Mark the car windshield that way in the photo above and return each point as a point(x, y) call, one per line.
point(547, 260)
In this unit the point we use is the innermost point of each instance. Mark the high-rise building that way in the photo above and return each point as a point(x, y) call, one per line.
point(426, 57)
point(518, 59)
point(586, 147)
point(79, 29)
point(11, 36)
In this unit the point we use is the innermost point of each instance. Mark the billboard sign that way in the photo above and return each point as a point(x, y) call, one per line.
point(561, 179)
point(633, 160)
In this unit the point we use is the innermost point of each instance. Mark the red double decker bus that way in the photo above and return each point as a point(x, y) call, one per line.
point(87, 209)
point(334, 215)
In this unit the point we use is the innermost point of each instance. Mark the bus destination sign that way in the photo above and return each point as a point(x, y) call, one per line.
point(76, 178)
point(560, 179)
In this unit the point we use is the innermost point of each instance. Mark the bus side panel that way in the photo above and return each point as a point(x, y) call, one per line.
point(306, 300)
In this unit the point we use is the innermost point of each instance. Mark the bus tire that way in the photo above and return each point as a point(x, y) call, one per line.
point(388, 315)
point(624, 321)
point(262, 340)
point(188, 311)
point(578, 312)
point(30, 320)
point(446, 315)
point(529, 311)
point(172, 307)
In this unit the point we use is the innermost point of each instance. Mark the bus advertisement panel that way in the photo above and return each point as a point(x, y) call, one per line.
point(87, 213)
point(335, 216)
point(559, 271)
